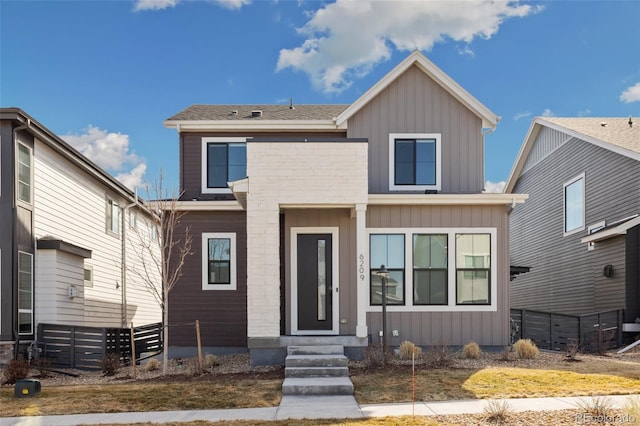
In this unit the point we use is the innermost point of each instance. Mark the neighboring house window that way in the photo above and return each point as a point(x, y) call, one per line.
point(154, 232)
point(88, 276)
point(430, 269)
point(387, 250)
point(223, 160)
point(473, 269)
point(219, 261)
point(25, 293)
point(113, 216)
point(24, 173)
point(414, 162)
point(574, 205)
point(133, 219)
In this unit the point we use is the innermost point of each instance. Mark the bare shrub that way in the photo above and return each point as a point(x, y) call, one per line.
point(596, 406)
point(439, 356)
point(571, 351)
point(16, 369)
point(43, 365)
point(505, 355)
point(211, 361)
point(110, 364)
point(497, 411)
point(471, 350)
point(152, 365)
point(526, 349)
point(375, 357)
point(408, 350)
point(192, 367)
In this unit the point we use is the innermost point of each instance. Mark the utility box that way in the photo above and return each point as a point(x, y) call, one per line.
point(27, 388)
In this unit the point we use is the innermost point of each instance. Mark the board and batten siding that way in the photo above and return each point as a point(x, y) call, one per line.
point(191, 157)
point(414, 103)
point(563, 273)
point(448, 328)
point(71, 206)
point(340, 218)
point(222, 313)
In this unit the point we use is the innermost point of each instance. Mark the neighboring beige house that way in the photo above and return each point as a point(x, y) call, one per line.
point(293, 208)
point(67, 229)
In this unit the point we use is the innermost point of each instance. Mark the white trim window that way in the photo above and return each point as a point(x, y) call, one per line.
point(574, 205)
point(112, 221)
point(25, 293)
point(223, 160)
point(88, 275)
point(415, 162)
point(24, 176)
point(219, 260)
point(449, 269)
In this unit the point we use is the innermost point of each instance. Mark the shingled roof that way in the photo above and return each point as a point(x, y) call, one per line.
point(269, 112)
point(613, 130)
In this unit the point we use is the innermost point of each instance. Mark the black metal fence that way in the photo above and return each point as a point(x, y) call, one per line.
point(595, 332)
point(69, 346)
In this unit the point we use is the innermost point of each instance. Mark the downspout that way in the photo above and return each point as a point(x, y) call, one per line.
point(123, 305)
point(14, 314)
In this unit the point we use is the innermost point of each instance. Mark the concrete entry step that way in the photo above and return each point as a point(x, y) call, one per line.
point(315, 350)
point(316, 361)
point(317, 386)
point(316, 372)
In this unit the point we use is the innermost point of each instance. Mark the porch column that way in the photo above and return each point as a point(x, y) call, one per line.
point(362, 279)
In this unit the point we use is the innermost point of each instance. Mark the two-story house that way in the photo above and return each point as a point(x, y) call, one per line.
point(579, 232)
point(293, 209)
point(68, 231)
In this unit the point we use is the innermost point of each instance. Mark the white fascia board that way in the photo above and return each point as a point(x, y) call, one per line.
point(595, 141)
point(525, 148)
point(231, 205)
point(249, 125)
point(489, 119)
point(447, 199)
point(239, 186)
point(613, 232)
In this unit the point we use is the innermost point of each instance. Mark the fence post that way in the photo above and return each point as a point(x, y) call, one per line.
point(619, 325)
point(133, 351)
point(72, 348)
point(522, 315)
point(199, 345)
point(580, 333)
point(551, 332)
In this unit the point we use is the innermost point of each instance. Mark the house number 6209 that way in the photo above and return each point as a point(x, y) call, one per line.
point(361, 268)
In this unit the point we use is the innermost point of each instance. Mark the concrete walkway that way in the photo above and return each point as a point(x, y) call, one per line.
point(310, 407)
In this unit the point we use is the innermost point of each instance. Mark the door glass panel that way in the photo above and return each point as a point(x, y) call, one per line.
point(322, 280)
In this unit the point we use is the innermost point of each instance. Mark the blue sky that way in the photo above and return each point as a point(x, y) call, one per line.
point(105, 74)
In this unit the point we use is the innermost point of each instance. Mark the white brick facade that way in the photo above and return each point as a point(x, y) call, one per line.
point(291, 173)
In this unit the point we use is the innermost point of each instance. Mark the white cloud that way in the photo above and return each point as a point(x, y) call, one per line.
point(346, 38)
point(165, 4)
point(547, 113)
point(153, 4)
point(521, 115)
point(134, 178)
point(232, 4)
point(631, 94)
point(494, 187)
point(109, 150)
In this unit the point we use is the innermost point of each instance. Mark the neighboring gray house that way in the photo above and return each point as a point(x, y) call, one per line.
point(294, 208)
point(579, 232)
point(65, 228)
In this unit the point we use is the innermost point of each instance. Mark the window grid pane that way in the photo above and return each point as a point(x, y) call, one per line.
point(473, 263)
point(574, 205)
point(219, 257)
point(388, 250)
point(24, 173)
point(25, 293)
point(430, 269)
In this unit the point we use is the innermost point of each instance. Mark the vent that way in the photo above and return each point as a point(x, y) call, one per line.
point(234, 112)
point(256, 113)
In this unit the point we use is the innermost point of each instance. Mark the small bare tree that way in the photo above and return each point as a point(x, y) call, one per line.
point(161, 250)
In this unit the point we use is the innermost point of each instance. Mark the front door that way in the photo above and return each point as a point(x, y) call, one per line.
point(314, 282)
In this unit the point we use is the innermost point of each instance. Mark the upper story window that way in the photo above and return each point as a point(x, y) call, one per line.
point(112, 217)
point(223, 160)
point(24, 173)
point(574, 205)
point(219, 261)
point(414, 162)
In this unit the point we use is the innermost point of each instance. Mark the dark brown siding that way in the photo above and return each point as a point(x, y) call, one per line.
point(222, 314)
point(6, 230)
point(191, 155)
point(632, 310)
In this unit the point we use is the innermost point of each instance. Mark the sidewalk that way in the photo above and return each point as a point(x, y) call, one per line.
point(310, 407)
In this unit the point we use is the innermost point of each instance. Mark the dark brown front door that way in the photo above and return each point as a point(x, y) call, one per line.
point(314, 282)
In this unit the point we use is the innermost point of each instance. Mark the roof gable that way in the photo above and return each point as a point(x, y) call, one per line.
point(611, 133)
point(489, 119)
